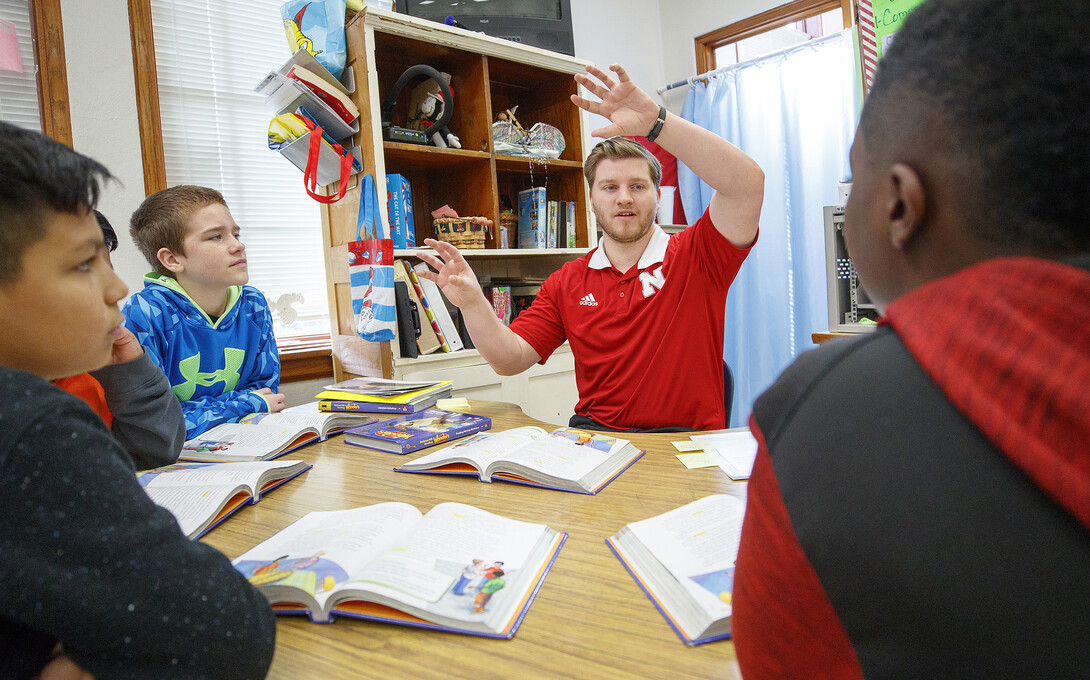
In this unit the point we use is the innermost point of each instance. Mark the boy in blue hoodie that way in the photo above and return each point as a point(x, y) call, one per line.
point(211, 334)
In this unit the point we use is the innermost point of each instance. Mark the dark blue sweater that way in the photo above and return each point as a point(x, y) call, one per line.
point(87, 560)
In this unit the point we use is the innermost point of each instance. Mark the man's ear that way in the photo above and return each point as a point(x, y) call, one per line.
point(171, 261)
point(906, 204)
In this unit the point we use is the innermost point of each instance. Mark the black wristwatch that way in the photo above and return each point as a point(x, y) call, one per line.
point(658, 125)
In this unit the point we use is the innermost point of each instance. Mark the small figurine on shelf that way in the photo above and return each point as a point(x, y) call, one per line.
point(426, 106)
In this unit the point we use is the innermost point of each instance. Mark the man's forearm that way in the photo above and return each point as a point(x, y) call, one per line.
point(502, 348)
point(723, 166)
point(735, 207)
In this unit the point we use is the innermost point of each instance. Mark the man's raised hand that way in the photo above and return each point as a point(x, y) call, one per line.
point(630, 110)
point(452, 273)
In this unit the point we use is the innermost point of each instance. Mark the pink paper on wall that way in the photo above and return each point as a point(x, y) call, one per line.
point(9, 48)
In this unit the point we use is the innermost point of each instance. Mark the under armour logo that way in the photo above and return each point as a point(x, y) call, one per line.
point(229, 375)
point(652, 282)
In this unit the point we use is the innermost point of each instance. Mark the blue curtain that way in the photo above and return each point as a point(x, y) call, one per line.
point(794, 113)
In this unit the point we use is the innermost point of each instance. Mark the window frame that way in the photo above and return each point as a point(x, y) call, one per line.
point(301, 357)
point(47, 36)
point(765, 21)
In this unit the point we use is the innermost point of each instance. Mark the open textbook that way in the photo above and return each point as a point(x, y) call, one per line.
point(684, 561)
point(201, 495)
point(456, 568)
point(566, 459)
point(261, 436)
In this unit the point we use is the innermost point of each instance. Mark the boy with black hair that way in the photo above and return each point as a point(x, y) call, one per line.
point(131, 394)
point(920, 502)
point(208, 332)
point(93, 575)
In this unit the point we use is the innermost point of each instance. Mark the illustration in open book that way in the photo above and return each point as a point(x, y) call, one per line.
point(455, 568)
point(567, 459)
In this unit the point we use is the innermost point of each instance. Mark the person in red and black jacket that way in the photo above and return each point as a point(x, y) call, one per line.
point(920, 503)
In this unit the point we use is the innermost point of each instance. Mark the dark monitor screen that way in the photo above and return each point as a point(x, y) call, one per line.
point(438, 10)
point(540, 23)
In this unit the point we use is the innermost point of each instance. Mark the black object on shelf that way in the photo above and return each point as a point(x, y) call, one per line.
point(408, 320)
point(392, 132)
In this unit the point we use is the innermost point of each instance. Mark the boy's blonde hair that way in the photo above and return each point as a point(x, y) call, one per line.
point(162, 220)
point(620, 148)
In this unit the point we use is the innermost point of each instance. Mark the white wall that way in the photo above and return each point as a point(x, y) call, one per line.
point(102, 94)
point(624, 32)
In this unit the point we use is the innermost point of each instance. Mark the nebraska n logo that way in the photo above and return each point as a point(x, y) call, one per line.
point(652, 282)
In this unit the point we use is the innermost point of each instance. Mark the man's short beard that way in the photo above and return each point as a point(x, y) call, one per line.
point(644, 229)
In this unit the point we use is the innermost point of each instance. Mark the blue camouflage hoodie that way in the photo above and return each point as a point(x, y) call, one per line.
point(213, 367)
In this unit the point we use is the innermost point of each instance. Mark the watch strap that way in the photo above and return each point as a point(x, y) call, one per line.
point(651, 136)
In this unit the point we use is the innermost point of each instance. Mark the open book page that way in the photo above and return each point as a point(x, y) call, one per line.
point(193, 507)
point(297, 421)
point(698, 544)
point(305, 562)
point(198, 493)
point(460, 565)
point(208, 474)
point(308, 415)
point(481, 449)
point(564, 455)
point(236, 441)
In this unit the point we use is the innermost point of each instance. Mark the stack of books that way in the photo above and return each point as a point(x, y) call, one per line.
point(379, 395)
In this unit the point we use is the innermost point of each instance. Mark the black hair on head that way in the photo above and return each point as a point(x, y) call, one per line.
point(38, 175)
point(108, 233)
point(1010, 82)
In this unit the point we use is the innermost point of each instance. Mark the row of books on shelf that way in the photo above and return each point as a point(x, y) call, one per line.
point(424, 323)
point(510, 299)
point(544, 223)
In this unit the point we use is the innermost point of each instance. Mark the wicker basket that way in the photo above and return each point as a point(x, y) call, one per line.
point(461, 232)
point(507, 236)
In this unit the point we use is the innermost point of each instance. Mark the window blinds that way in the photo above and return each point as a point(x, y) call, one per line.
point(19, 91)
point(209, 56)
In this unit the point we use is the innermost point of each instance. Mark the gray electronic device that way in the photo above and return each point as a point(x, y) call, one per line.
point(393, 133)
point(848, 302)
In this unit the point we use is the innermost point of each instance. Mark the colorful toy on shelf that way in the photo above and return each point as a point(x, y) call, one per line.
point(437, 133)
point(426, 106)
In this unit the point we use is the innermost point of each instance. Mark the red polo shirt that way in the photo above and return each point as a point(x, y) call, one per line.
point(647, 343)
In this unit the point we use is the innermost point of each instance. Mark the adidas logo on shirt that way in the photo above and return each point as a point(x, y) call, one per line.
point(588, 300)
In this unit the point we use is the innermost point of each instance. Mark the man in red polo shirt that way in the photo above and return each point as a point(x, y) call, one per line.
point(643, 312)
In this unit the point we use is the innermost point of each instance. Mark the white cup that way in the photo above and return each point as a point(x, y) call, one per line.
point(666, 206)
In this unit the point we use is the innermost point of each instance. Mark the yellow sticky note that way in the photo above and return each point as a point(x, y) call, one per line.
point(452, 403)
point(701, 459)
point(688, 445)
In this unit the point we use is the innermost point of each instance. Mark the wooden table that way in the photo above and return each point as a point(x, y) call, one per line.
point(589, 620)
